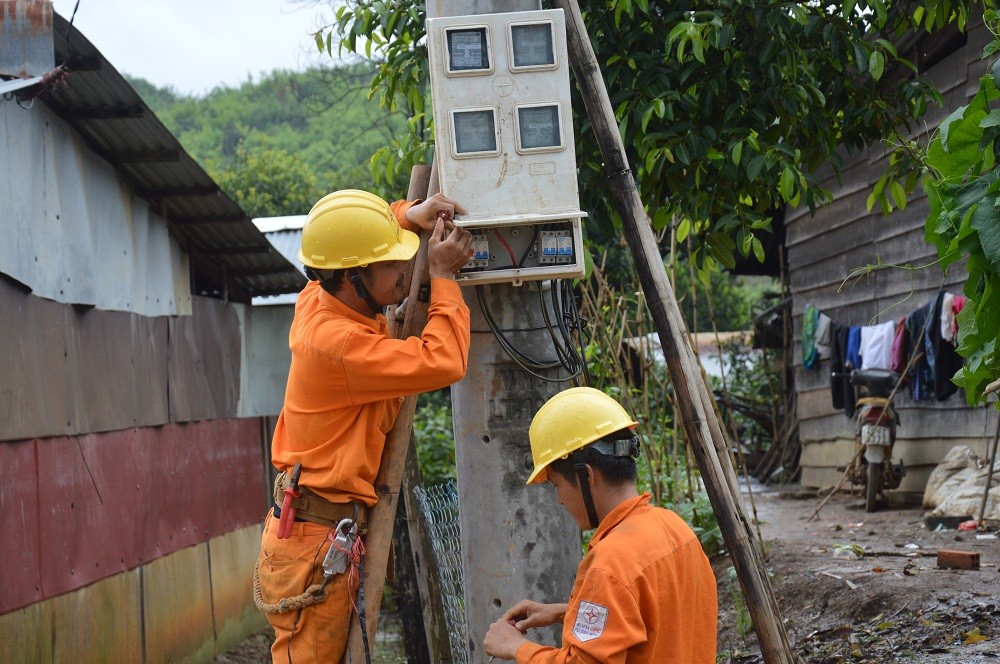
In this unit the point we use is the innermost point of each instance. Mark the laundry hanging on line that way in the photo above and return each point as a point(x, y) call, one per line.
point(930, 330)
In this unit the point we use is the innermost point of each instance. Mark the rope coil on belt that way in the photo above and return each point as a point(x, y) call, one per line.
point(314, 594)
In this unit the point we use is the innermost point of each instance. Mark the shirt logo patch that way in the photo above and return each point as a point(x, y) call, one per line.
point(590, 621)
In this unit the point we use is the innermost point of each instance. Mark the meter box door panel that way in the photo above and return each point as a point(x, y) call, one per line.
point(503, 128)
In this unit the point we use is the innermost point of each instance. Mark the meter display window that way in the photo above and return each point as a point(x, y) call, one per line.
point(538, 128)
point(531, 46)
point(468, 50)
point(475, 132)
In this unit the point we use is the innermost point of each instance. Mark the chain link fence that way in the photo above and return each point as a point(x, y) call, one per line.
point(439, 505)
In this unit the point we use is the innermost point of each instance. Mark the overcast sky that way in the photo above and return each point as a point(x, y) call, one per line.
point(196, 45)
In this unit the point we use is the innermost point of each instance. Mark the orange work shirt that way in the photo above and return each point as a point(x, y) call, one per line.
point(645, 592)
point(347, 381)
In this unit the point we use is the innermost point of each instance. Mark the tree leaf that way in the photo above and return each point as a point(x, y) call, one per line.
point(876, 64)
point(787, 186)
point(683, 229)
point(898, 194)
point(973, 637)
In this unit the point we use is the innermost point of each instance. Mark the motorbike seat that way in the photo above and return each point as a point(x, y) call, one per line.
point(877, 382)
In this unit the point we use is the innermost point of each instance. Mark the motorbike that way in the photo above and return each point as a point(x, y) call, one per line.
point(876, 421)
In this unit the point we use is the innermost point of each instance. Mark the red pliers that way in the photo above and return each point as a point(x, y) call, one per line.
point(287, 511)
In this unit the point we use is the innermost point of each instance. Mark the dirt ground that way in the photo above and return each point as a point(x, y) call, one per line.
point(854, 586)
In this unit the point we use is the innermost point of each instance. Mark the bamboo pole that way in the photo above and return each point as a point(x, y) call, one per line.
point(693, 398)
point(381, 517)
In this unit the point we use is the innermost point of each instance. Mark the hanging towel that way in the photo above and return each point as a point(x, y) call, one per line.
point(853, 359)
point(876, 345)
point(948, 318)
point(823, 337)
point(809, 318)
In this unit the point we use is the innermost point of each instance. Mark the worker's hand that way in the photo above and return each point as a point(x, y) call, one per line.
point(438, 206)
point(502, 640)
point(446, 256)
point(527, 614)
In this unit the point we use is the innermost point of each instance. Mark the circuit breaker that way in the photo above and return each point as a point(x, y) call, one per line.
point(503, 127)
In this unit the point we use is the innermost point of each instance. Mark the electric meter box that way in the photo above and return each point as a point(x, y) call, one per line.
point(503, 128)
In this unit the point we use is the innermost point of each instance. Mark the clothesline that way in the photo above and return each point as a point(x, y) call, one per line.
point(931, 329)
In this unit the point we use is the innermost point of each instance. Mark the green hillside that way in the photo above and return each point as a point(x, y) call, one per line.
point(278, 144)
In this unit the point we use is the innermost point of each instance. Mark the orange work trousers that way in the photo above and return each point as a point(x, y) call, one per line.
point(286, 567)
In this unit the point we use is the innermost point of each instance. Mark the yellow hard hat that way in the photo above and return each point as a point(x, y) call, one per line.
point(352, 228)
point(572, 419)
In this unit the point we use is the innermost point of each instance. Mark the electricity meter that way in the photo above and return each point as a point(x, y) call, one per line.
point(505, 149)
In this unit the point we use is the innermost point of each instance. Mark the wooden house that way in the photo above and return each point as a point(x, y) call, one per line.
point(137, 383)
point(823, 250)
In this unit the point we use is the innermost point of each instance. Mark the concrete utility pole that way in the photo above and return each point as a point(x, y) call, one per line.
point(693, 398)
point(517, 542)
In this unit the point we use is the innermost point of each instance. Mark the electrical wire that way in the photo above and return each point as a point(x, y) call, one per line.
point(571, 322)
point(564, 301)
point(69, 29)
point(569, 356)
point(566, 356)
point(510, 252)
point(531, 243)
point(505, 343)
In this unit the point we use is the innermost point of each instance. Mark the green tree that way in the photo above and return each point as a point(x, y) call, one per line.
point(322, 116)
point(269, 182)
point(728, 107)
point(963, 188)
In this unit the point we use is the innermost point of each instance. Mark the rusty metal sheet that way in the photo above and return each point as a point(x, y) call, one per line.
point(47, 388)
point(240, 497)
point(100, 353)
point(113, 501)
point(177, 608)
point(150, 351)
point(98, 623)
point(205, 350)
point(35, 390)
point(233, 610)
point(20, 574)
point(26, 38)
point(88, 516)
point(177, 486)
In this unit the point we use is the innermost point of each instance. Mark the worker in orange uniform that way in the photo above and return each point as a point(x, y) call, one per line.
point(345, 386)
point(645, 591)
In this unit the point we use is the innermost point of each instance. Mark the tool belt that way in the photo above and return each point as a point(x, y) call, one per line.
point(310, 506)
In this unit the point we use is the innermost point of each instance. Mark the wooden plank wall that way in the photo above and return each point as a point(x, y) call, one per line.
point(822, 252)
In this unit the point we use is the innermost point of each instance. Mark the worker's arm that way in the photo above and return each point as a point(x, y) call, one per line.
point(506, 635)
point(377, 367)
point(602, 622)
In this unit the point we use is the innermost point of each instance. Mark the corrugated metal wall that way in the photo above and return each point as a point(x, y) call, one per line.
point(824, 249)
point(135, 420)
point(82, 238)
point(266, 358)
point(83, 508)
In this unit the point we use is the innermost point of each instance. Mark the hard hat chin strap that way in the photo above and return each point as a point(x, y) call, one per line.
point(588, 499)
point(359, 287)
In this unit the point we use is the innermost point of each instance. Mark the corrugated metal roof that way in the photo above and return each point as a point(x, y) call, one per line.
point(231, 257)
